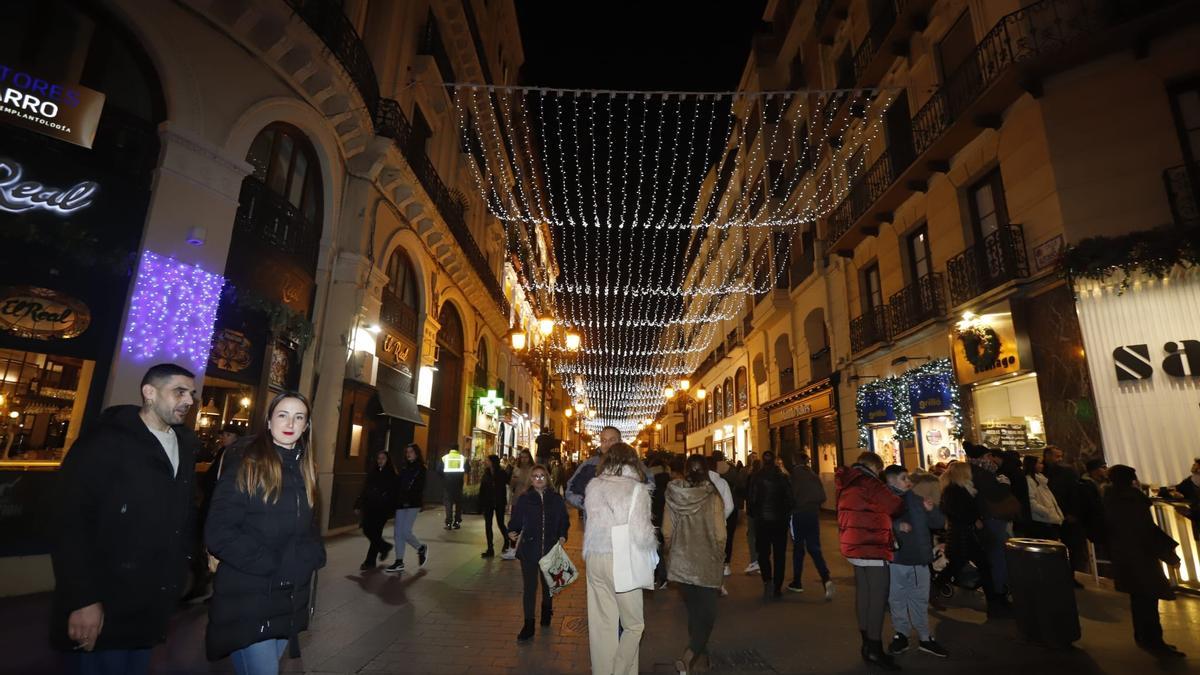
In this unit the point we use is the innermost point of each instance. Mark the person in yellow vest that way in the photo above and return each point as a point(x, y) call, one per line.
point(453, 467)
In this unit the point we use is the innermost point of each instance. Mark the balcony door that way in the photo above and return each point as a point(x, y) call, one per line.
point(872, 290)
point(989, 223)
point(900, 134)
point(920, 262)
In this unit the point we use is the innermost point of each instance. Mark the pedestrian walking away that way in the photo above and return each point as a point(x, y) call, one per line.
point(120, 543)
point(616, 497)
point(694, 532)
point(539, 521)
point(493, 498)
point(1138, 548)
point(865, 508)
point(908, 573)
point(808, 494)
point(770, 505)
point(263, 530)
point(751, 530)
point(375, 505)
point(452, 467)
point(409, 502)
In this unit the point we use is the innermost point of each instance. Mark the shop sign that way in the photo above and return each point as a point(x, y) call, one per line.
point(1132, 362)
point(876, 407)
point(985, 346)
point(42, 314)
point(805, 407)
point(19, 196)
point(394, 350)
point(68, 112)
point(929, 394)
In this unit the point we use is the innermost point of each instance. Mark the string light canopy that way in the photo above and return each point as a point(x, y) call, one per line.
point(665, 211)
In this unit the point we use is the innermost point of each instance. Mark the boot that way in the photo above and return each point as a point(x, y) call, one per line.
point(487, 554)
point(683, 663)
point(547, 612)
point(700, 663)
point(865, 644)
point(876, 656)
point(526, 633)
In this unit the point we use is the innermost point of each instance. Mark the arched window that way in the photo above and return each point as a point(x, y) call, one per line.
point(708, 411)
point(280, 203)
point(728, 397)
point(481, 365)
point(399, 308)
point(680, 432)
point(783, 361)
point(719, 404)
point(286, 163)
point(743, 392)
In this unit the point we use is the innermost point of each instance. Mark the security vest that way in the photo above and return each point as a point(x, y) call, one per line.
point(452, 462)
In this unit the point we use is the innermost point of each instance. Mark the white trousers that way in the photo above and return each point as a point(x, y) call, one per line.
point(612, 614)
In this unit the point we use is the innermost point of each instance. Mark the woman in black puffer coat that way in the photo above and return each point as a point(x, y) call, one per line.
point(375, 505)
point(493, 498)
point(262, 529)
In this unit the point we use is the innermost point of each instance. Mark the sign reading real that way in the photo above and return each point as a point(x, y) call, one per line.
point(42, 314)
point(68, 112)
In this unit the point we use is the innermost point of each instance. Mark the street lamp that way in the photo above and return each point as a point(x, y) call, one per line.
point(543, 351)
point(572, 340)
point(545, 326)
point(668, 392)
point(517, 338)
point(579, 406)
point(685, 384)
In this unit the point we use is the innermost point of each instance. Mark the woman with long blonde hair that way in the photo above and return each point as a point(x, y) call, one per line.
point(262, 529)
point(964, 519)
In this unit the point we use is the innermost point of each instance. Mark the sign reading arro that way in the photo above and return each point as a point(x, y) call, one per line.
point(68, 112)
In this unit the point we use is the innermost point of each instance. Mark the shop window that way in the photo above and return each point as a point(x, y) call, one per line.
point(42, 397)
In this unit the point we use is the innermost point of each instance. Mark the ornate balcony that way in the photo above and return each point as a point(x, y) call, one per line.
point(276, 223)
point(917, 303)
point(862, 195)
point(398, 315)
point(998, 259)
point(391, 122)
point(869, 48)
point(869, 329)
point(1183, 193)
point(328, 20)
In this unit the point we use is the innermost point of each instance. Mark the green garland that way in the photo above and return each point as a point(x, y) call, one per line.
point(283, 320)
point(1152, 252)
point(898, 387)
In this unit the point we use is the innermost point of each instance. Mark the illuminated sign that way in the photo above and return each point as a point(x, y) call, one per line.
point(19, 196)
point(68, 112)
point(42, 314)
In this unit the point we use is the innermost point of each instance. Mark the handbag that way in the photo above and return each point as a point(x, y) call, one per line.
point(633, 568)
point(557, 569)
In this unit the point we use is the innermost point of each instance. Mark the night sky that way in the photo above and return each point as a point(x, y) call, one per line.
point(649, 45)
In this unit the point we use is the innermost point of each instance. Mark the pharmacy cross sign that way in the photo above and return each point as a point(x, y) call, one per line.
point(491, 403)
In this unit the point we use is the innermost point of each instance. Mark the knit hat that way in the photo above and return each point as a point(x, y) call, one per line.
point(1093, 464)
point(974, 450)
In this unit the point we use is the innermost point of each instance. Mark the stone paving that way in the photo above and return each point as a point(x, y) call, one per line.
point(461, 615)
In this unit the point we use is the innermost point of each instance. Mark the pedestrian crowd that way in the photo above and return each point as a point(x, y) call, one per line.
point(123, 545)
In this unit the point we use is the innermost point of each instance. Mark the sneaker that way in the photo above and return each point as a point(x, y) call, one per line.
point(899, 644)
point(395, 568)
point(829, 589)
point(448, 526)
point(727, 570)
point(723, 591)
point(661, 585)
point(510, 554)
point(458, 526)
point(422, 555)
point(752, 568)
point(931, 646)
point(795, 587)
point(487, 554)
point(367, 565)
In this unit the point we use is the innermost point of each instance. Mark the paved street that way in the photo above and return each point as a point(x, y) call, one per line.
point(461, 615)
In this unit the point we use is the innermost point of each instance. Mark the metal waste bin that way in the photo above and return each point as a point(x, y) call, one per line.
point(1040, 579)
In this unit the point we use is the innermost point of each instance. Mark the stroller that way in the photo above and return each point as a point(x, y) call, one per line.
point(943, 579)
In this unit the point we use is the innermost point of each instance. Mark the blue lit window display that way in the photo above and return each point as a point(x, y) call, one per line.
point(919, 405)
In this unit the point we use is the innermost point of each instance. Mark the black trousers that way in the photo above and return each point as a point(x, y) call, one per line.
point(452, 497)
point(372, 526)
point(731, 524)
point(771, 537)
point(1147, 630)
point(701, 603)
point(871, 586)
point(498, 514)
point(531, 575)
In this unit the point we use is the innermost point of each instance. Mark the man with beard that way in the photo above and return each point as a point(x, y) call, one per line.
point(121, 542)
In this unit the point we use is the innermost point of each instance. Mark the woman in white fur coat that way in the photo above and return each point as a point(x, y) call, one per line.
point(616, 496)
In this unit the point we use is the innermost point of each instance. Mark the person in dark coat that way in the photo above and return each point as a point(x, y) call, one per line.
point(807, 496)
point(539, 520)
point(1189, 488)
point(263, 531)
point(865, 507)
point(121, 542)
point(770, 504)
point(1091, 503)
point(1012, 468)
point(1138, 547)
point(375, 505)
point(493, 498)
point(410, 500)
point(207, 482)
point(960, 506)
point(1064, 484)
point(999, 508)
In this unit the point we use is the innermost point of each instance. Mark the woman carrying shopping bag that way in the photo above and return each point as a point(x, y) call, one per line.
point(620, 549)
point(539, 521)
point(694, 535)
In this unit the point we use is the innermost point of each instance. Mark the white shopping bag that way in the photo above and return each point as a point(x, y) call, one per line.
point(558, 569)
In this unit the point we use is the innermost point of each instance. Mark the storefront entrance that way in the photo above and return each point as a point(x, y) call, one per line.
point(805, 421)
point(447, 399)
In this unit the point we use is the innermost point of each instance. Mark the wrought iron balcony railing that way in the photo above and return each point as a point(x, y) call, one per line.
point(881, 25)
point(1183, 192)
point(271, 219)
point(869, 329)
point(391, 122)
point(865, 191)
point(917, 303)
point(998, 259)
point(328, 20)
point(398, 315)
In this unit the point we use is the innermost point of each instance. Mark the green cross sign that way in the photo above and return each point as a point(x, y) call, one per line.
point(491, 403)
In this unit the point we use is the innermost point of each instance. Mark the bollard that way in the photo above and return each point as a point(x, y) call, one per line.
point(1039, 577)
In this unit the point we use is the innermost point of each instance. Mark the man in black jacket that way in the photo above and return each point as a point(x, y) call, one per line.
point(1064, 485)
point(121, 540)
point(770, 504)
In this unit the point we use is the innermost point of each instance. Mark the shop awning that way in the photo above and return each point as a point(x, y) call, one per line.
point(395, 395)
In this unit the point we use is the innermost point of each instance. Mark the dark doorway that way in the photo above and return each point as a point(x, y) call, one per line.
point(446, 395)
point(899, 134)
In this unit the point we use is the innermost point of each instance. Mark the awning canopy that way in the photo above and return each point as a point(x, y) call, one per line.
point(394, 389)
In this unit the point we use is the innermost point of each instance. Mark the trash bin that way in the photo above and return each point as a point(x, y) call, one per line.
point(1039, 577)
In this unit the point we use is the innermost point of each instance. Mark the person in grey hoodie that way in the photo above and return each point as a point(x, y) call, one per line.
point(807, 494)
point(908, 594)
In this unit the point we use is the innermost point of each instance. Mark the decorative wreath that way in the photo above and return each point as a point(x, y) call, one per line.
point(981, 345)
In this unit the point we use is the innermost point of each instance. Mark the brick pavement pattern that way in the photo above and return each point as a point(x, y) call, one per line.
point(461, 615)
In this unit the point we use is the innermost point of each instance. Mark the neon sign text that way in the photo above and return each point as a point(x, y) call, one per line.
point(18, 196)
